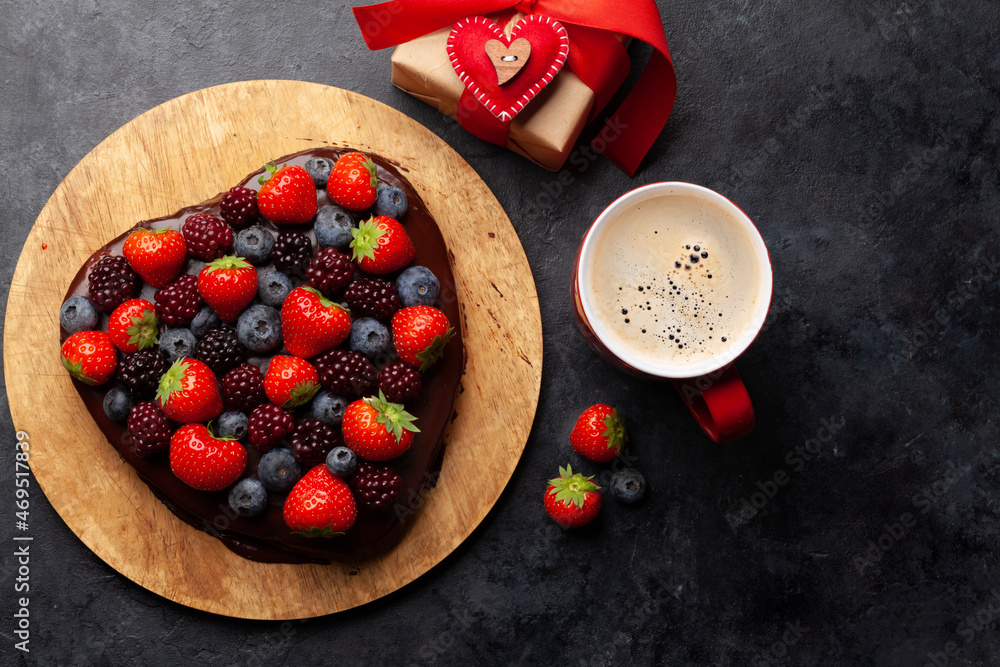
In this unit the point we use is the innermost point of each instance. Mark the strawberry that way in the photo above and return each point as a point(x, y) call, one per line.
point(311, 323)
point(572, 500)
point(287, 195)
point(320, 505)
point(376, 429)
point(420, 334)
point(203, 461)
point(353, 182)
point(157, 255)
point(228, 285)
point(599, 434)
point(381, 245)
point(89, 356)
point(290, 381)
point(189, 392)
point(133, 326)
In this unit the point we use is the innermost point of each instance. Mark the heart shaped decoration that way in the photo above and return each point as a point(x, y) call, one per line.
point(482, 56)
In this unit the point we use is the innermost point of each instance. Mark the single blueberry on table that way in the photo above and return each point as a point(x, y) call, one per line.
point(278, 470)
point(118, 403)
point(177, 343)
point(78, 314)
point(259, 328)
point(628, 486)
point(248, 497)
point(417, 286)
point(254, 244)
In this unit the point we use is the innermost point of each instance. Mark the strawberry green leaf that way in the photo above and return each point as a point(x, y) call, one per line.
point(271, 168)
point(392, 416)
point(434, 351)
point(615, 432)
point(301, 393)
point(75, 369)
point(143, 330)
point(326, 303)
point(365, 241)
point(316, 531)
point(172, 381)
point(228, 262)
point(370, 166)
point(570, 488)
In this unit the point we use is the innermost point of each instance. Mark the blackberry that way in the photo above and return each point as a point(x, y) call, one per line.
point(269, 425)
point(329, 270)
point(148, 429)
point(207, 237)
point(112, 282)
point(239, 207)
point(291, 253)
point(141, 373)
point(345, 373)
point(372, 297)
point(179, 302)
point(243, 388)
point(312, 441)
point(220, 349)
point(376, 486)
point(400, 382)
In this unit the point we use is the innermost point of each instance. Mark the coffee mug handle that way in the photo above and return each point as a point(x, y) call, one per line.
point(720, 403)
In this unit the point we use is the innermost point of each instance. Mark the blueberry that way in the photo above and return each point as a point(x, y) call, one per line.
point(333, 227)
point(369, 337)
point(254, 244)
point(206, 320)
point(117, 403)
point(278, 470)
point(78, 314)
point(319, 168)
point(628, 486)
point(329, 408)
point(273, 286)
point(259, 328)
point(177, 343)
point(248, 497)
point(232, 424)
point(341, 462)
point(390, 201)
point(417, 286)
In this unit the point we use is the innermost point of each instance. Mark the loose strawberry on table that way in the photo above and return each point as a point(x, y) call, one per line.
point(320, 505)
point(287, 195)
point(420, 334)
point(205, 462)
point(90, 357)
point(378, 430)
point(599, 434)
point(133, 326)
point(189, 392)
point(311, 323)
point(353, 182)
point(571, 499)
point(228, 285)
point(290, 381)
point(157, 255)
point(381, 245)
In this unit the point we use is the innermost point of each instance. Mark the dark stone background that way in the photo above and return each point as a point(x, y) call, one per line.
point(860, 135)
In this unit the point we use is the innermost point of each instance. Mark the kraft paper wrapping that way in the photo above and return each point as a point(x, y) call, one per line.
point(544, 132)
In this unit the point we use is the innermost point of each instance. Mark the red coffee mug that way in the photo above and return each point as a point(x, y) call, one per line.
point(711, 388)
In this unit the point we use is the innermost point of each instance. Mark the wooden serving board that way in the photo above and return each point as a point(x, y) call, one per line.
point(184, 152)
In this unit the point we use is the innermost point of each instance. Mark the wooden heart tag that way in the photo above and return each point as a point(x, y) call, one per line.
point(508, 61)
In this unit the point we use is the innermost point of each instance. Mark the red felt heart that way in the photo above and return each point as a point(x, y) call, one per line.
point(468, 55)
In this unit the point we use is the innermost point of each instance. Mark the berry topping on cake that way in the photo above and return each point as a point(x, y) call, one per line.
point(254, 245)
point(310, 323)
point(149, 430)
point(372, 297)
point(78, 314)
point(417, 286)
point(207, 237)
point(319, 170)
point(141, 373)
point(345, 373)
point(178, 303)
point(248, 497)
point(391, 202)
point(259, 328)
point(572, 500)
point(206, 320)
point(269, 425)
point(243, 388)
point(291, 253)
point(329, 270)
point(133, 326)
point(329, 408)
point(287, 195)
point(599, 434)
point(353, 182)
point(239, 207)
point(221, 351)
point(381, 245)
point(378, 430)
point(233, 424)
point(118, 403)
point(320, 505)
point(341, 462)
point(376, 487)
point(205, 462)
point(157, 255)
point(189, 392)
point(333, 227)
point(90, 357)
point(399, 382)
point(273, 287)
point(290, 381)
point(311, 441)
point(228, 285)
point(370, 337)
point(278, 470)
point(420, 334)
point(177, 344)
point(112, 282)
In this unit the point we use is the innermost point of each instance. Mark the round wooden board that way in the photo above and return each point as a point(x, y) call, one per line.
point(184, 152)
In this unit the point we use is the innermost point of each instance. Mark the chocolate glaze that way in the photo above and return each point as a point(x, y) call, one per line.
point(266, 538)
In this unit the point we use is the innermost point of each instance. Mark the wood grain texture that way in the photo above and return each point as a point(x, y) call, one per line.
point(184, 152)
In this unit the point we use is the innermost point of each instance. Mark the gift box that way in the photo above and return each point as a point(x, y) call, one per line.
point(582, 76)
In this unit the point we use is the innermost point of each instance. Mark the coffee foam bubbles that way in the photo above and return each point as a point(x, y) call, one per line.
point(674, 280)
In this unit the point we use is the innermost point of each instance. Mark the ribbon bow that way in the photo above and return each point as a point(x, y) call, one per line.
point(593, 50)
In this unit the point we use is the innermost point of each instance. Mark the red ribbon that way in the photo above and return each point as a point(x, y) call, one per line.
point(594, 53)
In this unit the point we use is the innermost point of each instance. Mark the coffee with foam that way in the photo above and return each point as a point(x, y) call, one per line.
point(674, 279)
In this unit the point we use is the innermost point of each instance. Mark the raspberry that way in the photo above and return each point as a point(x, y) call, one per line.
point(269, 424)
point(312, 441)
point(243, 388)
point(376, 486)
point(345, 373)
point(291, 253)
point(329, 270)
point(141, 372)
point(239, 207)
point(113, 282)
point(149, 429)
point(400, 382)
point(179, 302)
point(206, 236)
point(372, 297)
point(220, 349)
